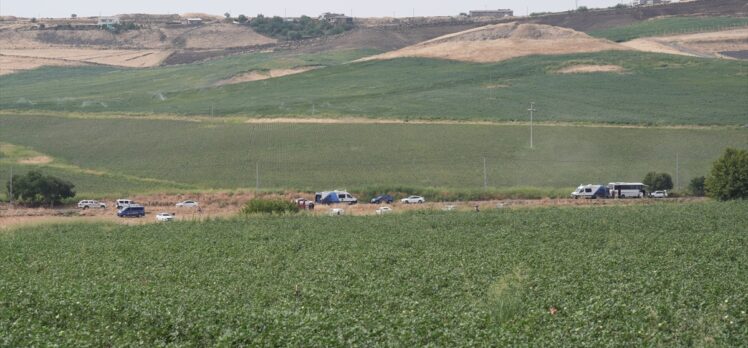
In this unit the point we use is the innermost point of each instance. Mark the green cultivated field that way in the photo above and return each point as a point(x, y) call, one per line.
point(214, 155)
point(661, 275)
point(655, 89)
point(670, 26)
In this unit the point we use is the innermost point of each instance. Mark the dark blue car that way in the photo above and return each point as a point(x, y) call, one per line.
point(132, 211)
point(382, 199)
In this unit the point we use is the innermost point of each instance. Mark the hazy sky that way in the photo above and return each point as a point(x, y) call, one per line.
point(380, 8)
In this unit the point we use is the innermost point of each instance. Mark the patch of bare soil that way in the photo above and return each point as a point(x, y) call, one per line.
point(499, 42)
point(36, 160)
point(258, 75)
point(590, 68)
point(495, 86)
point(224, 36)
point(701, 44)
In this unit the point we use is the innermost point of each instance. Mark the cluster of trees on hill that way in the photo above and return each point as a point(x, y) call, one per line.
point(35, 188)
point(296, 29)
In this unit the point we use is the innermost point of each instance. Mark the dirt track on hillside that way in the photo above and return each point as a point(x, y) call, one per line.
point(710, 44)
point(259, 75)
point(224, 205)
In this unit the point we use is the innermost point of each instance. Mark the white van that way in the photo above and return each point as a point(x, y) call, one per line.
point(590, 191)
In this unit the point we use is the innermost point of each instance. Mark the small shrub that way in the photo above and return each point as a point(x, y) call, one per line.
point(696, 186)
point(269, 206)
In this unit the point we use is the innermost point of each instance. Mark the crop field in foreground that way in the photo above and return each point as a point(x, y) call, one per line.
point(660, 275)
point(314, 157)
point(670, 26)
point(652, 89)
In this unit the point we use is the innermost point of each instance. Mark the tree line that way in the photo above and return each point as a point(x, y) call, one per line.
point(293, 29)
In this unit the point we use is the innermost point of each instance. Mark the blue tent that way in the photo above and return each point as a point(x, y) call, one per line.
point(327, 197)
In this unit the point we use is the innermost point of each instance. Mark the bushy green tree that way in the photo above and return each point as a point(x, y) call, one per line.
point(242, 18)
point(36, 188)
point(658, 181)
point(696, 186)
point(729, 176)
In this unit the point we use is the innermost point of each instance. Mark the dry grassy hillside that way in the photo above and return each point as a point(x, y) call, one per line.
point(25, 45)
point(212, 36)
point(499, 42)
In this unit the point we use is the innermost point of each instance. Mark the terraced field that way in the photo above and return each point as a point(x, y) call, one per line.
point(669, 26)
point(665, 274)
point(647, 89)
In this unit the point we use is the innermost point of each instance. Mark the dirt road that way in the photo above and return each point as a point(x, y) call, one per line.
point(222, 205)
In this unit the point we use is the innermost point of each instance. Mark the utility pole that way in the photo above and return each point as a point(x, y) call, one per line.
point(531, 110)
point(211, 110)
point(485, 175)
point(257, 177)
point(10, 199)
point(677, 172)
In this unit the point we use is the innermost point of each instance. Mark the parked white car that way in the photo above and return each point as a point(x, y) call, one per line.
point(383, 210)
point(124, 203)
point(163, 217)
point(658, 194)
point(413, 200)
point(187, 204)
point(336, 211)
point(88, 203)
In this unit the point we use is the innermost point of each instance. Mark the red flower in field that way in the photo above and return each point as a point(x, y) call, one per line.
point(553, 310)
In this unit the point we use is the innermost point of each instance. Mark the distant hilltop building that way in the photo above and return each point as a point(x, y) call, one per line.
point(193, 21)
point(336, 18)
point(108, 21)
point(492, 13)
point(652, 2)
